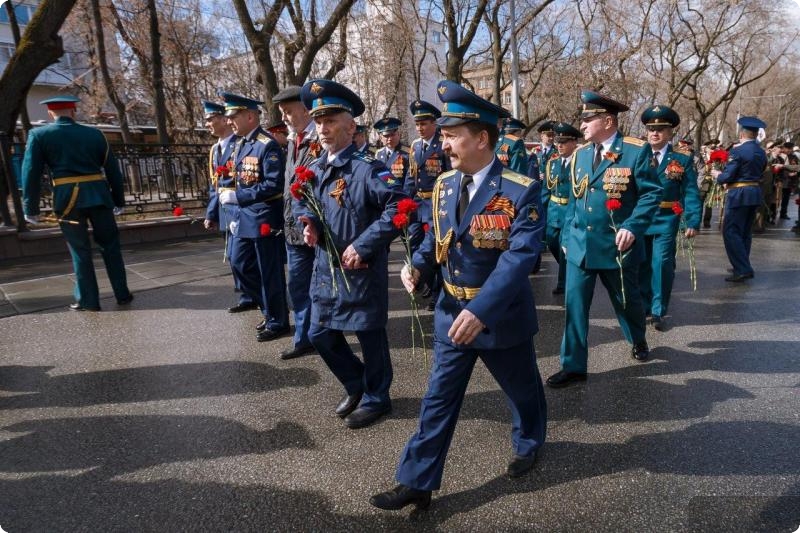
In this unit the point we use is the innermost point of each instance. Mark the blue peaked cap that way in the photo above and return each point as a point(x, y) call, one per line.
point(751, 123)
point(660, 115)
point(387, 124)
point(235, 103)
point(462, 105)
point(212, 108)
point(423, 110)
point(597, 104)
point(323, 97)
point(513, 124)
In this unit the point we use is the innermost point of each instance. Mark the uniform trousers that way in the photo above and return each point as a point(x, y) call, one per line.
point(515, 370)
point(300, 266)
point(657, 272)
point(579, 292)
point(244, 298)
point(737, 234)
point(258, 262)
point(373, 377)
point(106, 235)
point(553, 237)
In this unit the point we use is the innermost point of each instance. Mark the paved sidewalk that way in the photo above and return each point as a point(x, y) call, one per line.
point(39, 283)
point(168, 415)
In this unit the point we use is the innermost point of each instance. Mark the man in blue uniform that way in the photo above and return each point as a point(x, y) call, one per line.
point(555, 193)
point(256, 202)
point(547, 149)
point(220, 169)
point(304, 148)
point(357, 207)
point(428, 161)
point(680, 198)
point(87, 184)
point(740, 177)
point(393, 154)
point(614, 195)
point(361, 141)
point(510, 149)
point(487, 234)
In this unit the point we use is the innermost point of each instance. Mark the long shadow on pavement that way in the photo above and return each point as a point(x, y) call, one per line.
point(145, 384)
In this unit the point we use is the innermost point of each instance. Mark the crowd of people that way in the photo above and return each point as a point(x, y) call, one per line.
point(309, 220)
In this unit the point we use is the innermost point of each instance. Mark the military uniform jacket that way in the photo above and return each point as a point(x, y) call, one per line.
point(426, 165)
point(678, 179)
point(493, 249)
point(309, 151)
point(544, 156)
point(625, 172)
point(216, 212)
point(745, 164)
point(555, 191)
point(70, 149)
point(398, 163)
point(359, 213)
point(510, 150)
point(259, 166)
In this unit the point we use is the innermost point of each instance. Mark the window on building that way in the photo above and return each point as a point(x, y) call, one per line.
point(436, 37)
point(506, 98)
point(6, 51)
point(23, 12)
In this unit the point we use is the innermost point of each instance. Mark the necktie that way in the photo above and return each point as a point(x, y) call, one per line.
point(219, 154)
point(424, 147)
point(297, 142)
point(598, 157)
point(655, 160)
point(463, 197)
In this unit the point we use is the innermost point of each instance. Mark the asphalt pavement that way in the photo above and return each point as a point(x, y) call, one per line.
point(167, 415)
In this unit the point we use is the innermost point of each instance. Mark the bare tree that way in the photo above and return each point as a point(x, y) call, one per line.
point(461, 22)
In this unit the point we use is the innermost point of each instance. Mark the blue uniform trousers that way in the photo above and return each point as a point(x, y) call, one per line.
point(244, 298)
point(300, 265)
point(258, 263)
point(657, 272)
point(373, 377)
point(553, 236)
point(422, 461)
point(737, 233)
point(106, 235)
point(579, 292)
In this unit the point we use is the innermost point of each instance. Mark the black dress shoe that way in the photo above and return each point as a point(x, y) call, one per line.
point(361, 418)
point(738, 278)
point(78, 307)
point(640, 351)
point(126, 301)
point(348, 404)
point(659, 323)
point(267, 334)
point(238, 308)
point(261, 326)
point(520, 465)
point(562, 378)
point(558, 290)
point(297, 351)
point(399, 497)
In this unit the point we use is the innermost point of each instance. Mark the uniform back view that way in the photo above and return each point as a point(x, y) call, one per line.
point(87, 185)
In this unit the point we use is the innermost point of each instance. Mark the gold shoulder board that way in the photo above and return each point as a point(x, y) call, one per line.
point(512, 137)
point(445, 175)
point(681, 150)
point(633, 140)
point(263, 138)
point(517, 178)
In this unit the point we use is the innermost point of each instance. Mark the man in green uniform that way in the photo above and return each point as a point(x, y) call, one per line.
point(555, 193)
point(681, 198)
point(510, 148)
point(87, 185)
point(614, 195)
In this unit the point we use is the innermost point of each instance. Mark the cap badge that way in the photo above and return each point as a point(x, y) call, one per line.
point(316, 88)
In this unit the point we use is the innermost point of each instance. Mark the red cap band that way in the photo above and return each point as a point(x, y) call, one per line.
point(54, 106)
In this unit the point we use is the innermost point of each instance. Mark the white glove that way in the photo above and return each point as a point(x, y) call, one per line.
point(32, 219)
point(228, 197)
point(118, 211)
point(233, 226)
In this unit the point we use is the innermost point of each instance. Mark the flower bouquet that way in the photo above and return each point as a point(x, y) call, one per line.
point(303, 189)
point(716, 161)
point(612, 204)
point(401, 221)
point(686, 244)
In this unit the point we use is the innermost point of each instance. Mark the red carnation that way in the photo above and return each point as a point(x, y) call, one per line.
point(400, 220)
point(612, 204)
point(303, 174)
point(406, 206)
point(296, 189)
point(265, 230)
point(426, 227)
point(222, 170)
point(677, 208)
point(178, 211)
point(720, 156)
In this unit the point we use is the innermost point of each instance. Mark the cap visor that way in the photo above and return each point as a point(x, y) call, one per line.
point(452, 121)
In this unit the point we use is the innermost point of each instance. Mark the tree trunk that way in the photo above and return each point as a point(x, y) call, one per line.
point(23, 112)
point(119, 105)
point(158, 75)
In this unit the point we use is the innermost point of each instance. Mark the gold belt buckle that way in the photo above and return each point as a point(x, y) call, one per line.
point(461, 294)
